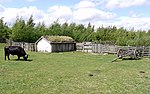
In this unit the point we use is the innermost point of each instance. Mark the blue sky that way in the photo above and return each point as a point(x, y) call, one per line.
point(121, 13)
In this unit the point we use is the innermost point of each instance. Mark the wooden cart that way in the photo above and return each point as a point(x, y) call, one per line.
point(128, 53)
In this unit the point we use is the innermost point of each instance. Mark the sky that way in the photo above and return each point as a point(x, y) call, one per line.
point(120, 13)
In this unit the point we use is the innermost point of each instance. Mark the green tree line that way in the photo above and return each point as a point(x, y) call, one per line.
point(28, 31)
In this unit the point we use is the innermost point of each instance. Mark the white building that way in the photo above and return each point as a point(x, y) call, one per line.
point(55, 44)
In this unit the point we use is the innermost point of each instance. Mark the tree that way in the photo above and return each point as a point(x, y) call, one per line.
point(121, 37)
point(55, 28)
point(4, 30)
point(66, 30)
point(24, 32)
point(40, 29)
point(88, 33)
point(18, 30)
point(30, 33)
point(79, 32)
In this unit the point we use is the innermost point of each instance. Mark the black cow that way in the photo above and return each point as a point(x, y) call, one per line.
point(15, 50)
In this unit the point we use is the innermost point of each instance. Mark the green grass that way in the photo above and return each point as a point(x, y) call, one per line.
point(69, 73)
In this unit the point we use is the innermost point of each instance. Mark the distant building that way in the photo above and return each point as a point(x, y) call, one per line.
point(55, 44)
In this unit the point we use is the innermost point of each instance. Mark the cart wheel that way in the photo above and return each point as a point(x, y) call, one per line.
point(119, 53)
point(136, 54)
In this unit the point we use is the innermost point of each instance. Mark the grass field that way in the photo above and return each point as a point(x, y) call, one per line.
point(73, 73)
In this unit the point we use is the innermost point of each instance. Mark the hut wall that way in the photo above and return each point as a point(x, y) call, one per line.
point(63, 47)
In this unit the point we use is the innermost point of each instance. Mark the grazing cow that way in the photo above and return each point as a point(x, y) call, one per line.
point(15, 50)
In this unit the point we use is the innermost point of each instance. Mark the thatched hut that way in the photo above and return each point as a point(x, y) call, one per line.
point(55, 44)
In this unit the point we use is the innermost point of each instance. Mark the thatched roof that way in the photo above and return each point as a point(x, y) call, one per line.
point(59, 38)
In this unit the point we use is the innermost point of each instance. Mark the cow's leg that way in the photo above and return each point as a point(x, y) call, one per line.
point(8, 56)
point(6, 52)
point(5, 56)
point(18, 57)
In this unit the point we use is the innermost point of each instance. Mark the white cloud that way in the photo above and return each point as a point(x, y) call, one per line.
point(10, 14)
point(139, 23)
point(87, 11)
point(134, 14)
point(130, 22)
point(53, 14)
point(123, 3)
point(127, 22)
point(92, 14)
point(60, 12)
point(2, 8)
point(81, 12)
point(63, 13)
point(85, 4)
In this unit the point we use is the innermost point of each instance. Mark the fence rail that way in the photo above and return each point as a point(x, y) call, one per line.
point(108, 48)
point(26, 46)
point(96, 48)
point(101, 48)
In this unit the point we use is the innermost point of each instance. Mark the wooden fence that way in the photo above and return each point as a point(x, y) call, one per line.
point(96, 48)
point(104, 48)
point(84, 47)
point(87, 47)
point(2, 40)
point(108, 48)
point(26, 46)
point(145, 51)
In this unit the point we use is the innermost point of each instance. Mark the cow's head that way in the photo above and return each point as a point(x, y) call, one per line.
point(25, 57)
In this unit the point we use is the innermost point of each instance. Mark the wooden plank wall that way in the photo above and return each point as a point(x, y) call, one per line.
point(63, 47)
